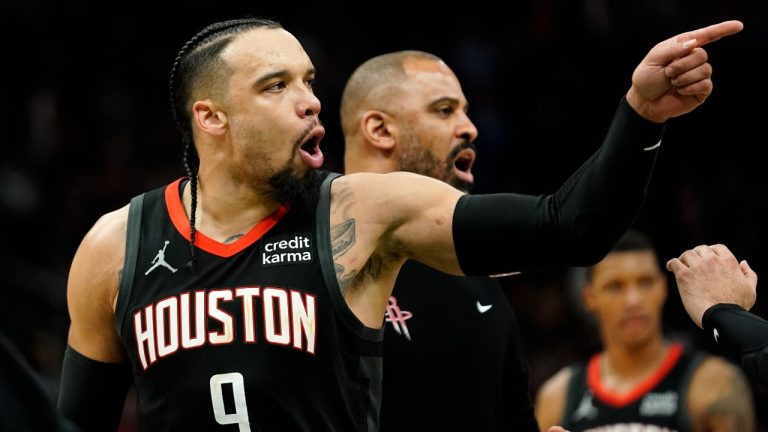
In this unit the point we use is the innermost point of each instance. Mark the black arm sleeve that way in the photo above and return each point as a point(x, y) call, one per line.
point(92, 393)
point(575, 226)
point(742, 336)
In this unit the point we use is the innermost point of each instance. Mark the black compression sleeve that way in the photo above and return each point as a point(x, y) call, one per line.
point(742, 336)
point(92, 393)
point(575, 226)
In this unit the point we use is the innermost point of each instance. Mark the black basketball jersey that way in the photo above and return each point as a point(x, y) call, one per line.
point(657, 404)
point(446, 338)
point(257, 338)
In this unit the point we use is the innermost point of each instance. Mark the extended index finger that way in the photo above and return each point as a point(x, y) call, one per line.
point(682, 44)
point(712, 33)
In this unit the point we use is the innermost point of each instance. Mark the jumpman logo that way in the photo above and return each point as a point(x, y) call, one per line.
point(397, 317)
point(160, 260)
point(586, 409)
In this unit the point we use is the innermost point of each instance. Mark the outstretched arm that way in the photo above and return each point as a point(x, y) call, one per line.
point(717, 291)
point(384, 219)
point(577, 225)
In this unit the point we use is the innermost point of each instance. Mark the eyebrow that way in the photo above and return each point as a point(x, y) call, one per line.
point(278, 74)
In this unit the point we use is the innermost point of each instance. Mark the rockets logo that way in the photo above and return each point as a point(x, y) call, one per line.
point(395, 316)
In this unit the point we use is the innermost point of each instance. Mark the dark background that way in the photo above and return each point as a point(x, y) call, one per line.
point(86, 125)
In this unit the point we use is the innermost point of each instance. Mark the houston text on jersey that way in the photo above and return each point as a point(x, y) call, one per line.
point(193, 319)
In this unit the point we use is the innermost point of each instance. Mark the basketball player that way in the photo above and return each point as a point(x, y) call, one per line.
point(641, 381)
point(272, 319)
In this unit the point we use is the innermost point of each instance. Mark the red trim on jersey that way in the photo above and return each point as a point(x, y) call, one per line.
point(181, 222)
point(619, 400)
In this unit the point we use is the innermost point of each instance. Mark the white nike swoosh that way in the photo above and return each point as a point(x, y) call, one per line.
point(717, 335)
point(483, 308)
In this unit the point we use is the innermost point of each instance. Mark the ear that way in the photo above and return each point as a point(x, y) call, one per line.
point(208, 118)
point(379, 129)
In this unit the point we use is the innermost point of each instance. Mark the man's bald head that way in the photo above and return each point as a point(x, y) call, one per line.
point(375, 84)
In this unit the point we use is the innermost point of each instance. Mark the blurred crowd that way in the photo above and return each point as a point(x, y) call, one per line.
point(87, 125)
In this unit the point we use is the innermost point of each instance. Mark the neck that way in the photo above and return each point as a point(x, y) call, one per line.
point(358, 158)
point(379, 166)
point(226, 208)
point(621, 362)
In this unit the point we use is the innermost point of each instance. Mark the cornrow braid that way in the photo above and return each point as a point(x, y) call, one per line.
point(191, 168)
point(198, 57)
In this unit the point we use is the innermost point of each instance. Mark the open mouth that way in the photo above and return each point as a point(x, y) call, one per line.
point(309, 150)
point(462, 164)
point(311, 145)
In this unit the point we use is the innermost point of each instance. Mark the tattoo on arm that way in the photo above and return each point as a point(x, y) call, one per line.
point(343, 198)
point(233, 238)
point(371, 269)
point(344, 280)
point(342, 237)
point(733, 410)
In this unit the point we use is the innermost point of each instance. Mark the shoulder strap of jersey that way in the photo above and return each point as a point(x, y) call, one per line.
point(325, 254)
point(683, 416)
point(132, 236)
point(574, 391)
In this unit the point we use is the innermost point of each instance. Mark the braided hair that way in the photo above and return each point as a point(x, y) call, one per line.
point(197, 60)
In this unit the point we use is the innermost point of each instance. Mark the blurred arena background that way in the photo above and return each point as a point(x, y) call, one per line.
point(86, 125)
